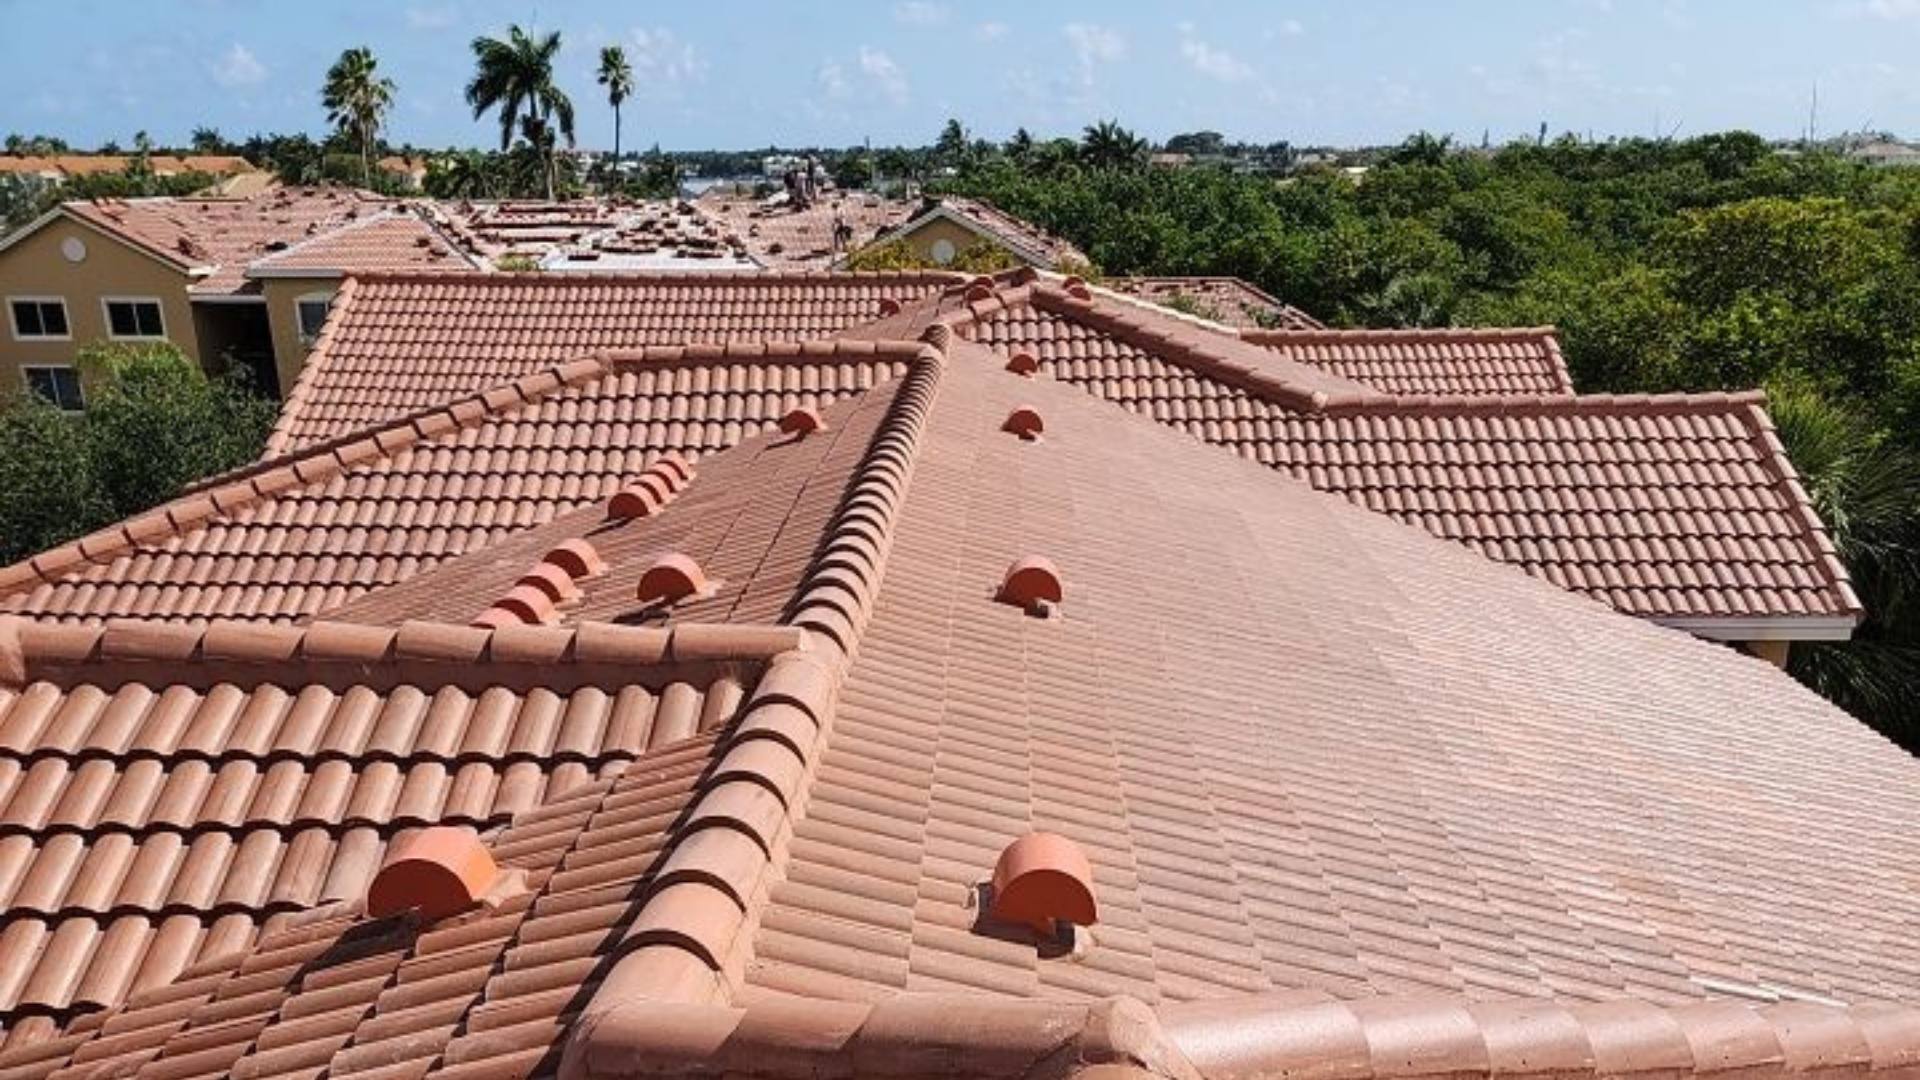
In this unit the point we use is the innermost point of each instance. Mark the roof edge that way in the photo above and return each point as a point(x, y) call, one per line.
point(1436, 334)
point(1773, 454)
point(1763, 627)
point(329, 652)
point(502, 278)
point(906, 1036)
point(1716, 401)
point(317, 356)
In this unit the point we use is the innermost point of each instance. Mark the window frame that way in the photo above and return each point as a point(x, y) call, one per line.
point(79, 391)
point(13, 318)
point(299, 319)
point(106, 315)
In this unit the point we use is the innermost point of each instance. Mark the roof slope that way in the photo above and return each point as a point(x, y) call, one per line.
point(391, 240)
point(1410, 800)
point(1452, 362)
point(397, 343)
point(1300, 757)
point(172, 793)
point(306, 532)
point(1681, 508)
point(1230, 300)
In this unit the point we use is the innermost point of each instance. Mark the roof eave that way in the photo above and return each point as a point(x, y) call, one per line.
point(1763, 627)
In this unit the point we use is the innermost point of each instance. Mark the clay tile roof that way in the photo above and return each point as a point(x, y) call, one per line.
point(411, 341)
point(218, 238)
point(1357, 802)
point(1679, 508)
point(1032, 243)
point(390, 240)
point(788, 238)
point(1229, 300)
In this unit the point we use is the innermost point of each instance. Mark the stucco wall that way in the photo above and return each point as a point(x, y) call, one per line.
point(35, 267)
point(283, 294)
point(922, 239)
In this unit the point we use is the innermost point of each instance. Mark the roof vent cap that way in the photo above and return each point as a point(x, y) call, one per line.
point(889, 306)
point(636, 500)
point(1074, 281)
point(1024, 422)
point(673, 462)
point(438, 871)
point(802, 422)
point(1023, 363)
point(672, 577)
point(981, 281)
point(529, 604)
point(1043, 879)
point(1081, 293)
point(576, 557)
point(979, 293)
point(1032, 583)
point(552, 581)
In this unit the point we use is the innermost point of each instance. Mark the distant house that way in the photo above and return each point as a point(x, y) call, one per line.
point(1886, 153)
point(1165, 160)
point(949, 224)
point(247, 281)
point(413, 169)
point(61, 167)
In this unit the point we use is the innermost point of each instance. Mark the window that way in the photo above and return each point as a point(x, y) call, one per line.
point(133, 317)
point(60, 385)
point(312, 310)
point(38, 317)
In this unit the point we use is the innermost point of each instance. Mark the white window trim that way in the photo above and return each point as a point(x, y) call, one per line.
point(14, 324)
point(24, 368)
point(310, 298)
point(106, 317)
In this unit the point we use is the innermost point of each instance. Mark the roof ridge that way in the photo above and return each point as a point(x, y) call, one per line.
point(1551, 404)
point(1210, 351)
point(688, 935)
point(309, 465)
point(674, 277)
point(1261, 336)
point(580, 653)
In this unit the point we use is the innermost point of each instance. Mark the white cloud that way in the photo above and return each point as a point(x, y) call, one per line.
point(1092, 46)
point(431, 18)
point(662, 63)
point(1290, 28)
point(1894, 9)
point(1214, 63)
point(833, 81)
point(888, 75)
point(237, 67)
point(920, 13)
point(990, 31)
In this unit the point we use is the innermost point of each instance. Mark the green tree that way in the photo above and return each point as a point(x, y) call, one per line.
point(154, 422)
point(617, 76)
point(207, 140)
point(357, 98)
point(1107, 145)
point(951, 147)
point(515, 77)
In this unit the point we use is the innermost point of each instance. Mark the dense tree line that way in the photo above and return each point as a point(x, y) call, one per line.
point(1713, 263)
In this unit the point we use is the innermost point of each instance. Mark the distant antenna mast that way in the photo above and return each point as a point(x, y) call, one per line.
point(1813, 115)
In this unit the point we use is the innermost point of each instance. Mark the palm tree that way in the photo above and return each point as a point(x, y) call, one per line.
point(516, 76)
point(1108, 145)
point(617, 77)
point(1867, 492)
point(357, 100)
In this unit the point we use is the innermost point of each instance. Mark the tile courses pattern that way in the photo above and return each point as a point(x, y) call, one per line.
point(1442, 362)
point(1348, 861)
point(168, 792)
point(1679, 507)
point(397, 343)
point(306, 532)
point(1229, 300)
point(389, 240)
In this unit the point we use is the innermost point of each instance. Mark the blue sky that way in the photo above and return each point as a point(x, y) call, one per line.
point(747, 73)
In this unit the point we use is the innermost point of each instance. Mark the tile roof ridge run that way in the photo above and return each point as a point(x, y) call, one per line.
point(1430, 1037)
point(761, 279)
point(903, 1036)
point(329, 652)
point(1261, 336)
point(1773, 457)
point(846, 348)
point(1199, 347)
point(1708, 402)
point(690, 936)
point(300, 468)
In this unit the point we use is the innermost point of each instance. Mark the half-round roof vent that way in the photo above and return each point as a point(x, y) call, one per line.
point(1023, 363)
point(1080, 292)
point(672, 577)
point(802, 422)
point(1024, 422)
point(672, 464)
point(1031, 583)
point(1074, 281)
point(552, 581)
point(576, 557)
point(527, 603)
point(977, 292)
point(889, 306)
point(438, 871)
point(1043, 879)
point(636, 500)
point(981, 281)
